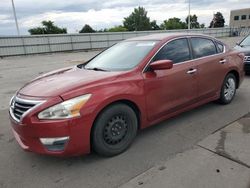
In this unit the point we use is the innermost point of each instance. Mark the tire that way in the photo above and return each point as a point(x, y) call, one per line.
point(114, 130)
point(228, 89)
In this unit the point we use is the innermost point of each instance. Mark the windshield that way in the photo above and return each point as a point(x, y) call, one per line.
point(122, 56)
point(246, 41)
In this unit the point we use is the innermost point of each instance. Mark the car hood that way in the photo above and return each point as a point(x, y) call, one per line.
point(244, 49)
point(58, 82)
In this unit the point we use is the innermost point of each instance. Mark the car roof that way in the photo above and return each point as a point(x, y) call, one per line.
point(165, 36)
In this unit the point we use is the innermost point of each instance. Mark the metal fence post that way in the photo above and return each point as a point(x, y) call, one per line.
point(90, 41)
point(49, 44)
point(71, 41)
point(23, 44)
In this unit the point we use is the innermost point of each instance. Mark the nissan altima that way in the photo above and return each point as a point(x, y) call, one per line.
point(100, 105)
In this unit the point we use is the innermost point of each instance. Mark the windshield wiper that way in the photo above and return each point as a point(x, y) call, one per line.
point(96, 69)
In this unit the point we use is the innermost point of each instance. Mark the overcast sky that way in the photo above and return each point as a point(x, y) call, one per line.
point(73, 14)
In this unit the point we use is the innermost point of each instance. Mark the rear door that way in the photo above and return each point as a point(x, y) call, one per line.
point(170, 90)
point(211, 62)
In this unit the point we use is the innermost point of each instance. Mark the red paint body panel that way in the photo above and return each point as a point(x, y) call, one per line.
point(169, 90)
point(158, 95)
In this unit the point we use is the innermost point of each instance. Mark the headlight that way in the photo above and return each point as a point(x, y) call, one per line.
point(67, 109)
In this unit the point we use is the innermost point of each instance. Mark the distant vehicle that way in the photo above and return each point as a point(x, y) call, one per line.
point(100, 105)
point(244, 46)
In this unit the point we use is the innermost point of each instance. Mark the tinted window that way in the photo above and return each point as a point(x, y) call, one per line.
point(236, 17)
point(243, 17)
point(203, 47)
point(220, 47)
point(177, 51)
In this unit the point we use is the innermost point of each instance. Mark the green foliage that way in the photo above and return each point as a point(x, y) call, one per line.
point(173, 23)
point(48, 27)
point(119, 28)
point(102, 30)
point(218, 21)
point(137, 20)
point(87, 29)
point(154, 25)
point(193, 21)
point(202, 25)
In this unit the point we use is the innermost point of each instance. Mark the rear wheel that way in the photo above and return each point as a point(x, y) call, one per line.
point(114, 130)
point(228, 89)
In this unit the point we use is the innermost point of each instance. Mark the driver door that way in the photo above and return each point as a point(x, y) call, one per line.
point(170, 90)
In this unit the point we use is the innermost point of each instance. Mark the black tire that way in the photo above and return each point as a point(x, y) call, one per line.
point(228, 91)
point(114, 130)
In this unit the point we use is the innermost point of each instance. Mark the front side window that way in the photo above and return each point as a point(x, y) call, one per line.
point(177, 51)
point(203, 47)
point(122, 56)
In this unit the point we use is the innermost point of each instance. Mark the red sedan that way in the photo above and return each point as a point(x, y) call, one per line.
point(100, 105)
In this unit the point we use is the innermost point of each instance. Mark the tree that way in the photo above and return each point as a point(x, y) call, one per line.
point(193, 21)
point(87, 29)
point(154, 25)
point(173, 23)
point(137, 20)
point(218, 21)
point(48, 27)
point(119, 28)
point(202, 25)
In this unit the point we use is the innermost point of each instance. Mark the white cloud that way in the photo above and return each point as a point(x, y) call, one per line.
point(97, 19)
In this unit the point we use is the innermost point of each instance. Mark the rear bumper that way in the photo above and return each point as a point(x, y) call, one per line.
point(78, 133)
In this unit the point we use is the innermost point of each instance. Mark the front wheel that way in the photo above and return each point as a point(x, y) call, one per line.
point(228, 89)
point(114, 130)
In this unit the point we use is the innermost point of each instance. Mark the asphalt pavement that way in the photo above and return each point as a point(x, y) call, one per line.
point(221, 160)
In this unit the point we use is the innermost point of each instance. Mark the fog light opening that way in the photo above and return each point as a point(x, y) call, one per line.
point(55, 144)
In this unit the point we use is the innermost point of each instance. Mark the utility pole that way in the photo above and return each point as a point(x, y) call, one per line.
point(189, 15)
point(14, 12)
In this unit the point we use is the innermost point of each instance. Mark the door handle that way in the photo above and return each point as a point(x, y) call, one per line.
point(222, 61)
point(191, 71)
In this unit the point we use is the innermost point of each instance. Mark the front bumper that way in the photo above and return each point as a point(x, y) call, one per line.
point(78, 133)
point(247, 64)
point(247, 67)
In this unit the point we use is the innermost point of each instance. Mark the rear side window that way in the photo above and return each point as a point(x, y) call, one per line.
point(203, 47)
point(177, 51)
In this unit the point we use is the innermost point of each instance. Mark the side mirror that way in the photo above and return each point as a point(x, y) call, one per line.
point(161, 65)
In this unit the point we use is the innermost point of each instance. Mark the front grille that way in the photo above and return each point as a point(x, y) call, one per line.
point(20, 107)
point(247, 67)
point(247, 59)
